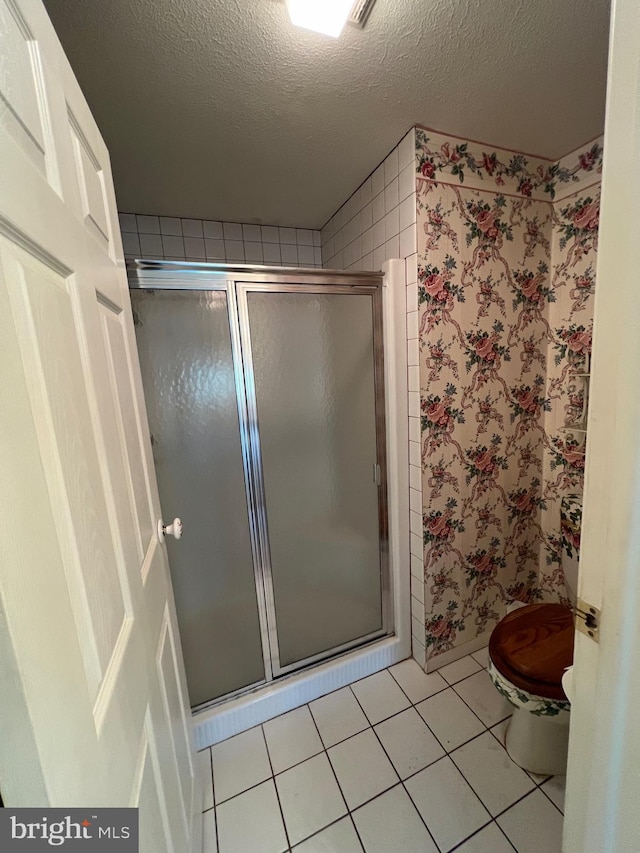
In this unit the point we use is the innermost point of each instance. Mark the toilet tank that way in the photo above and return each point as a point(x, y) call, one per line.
point(570, 525)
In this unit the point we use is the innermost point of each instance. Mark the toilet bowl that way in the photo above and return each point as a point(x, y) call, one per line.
point(529, 651)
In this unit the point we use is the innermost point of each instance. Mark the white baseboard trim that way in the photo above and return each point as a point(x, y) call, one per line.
point(459, 652)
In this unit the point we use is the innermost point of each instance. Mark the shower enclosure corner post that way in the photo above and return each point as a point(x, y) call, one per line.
point(397, 421)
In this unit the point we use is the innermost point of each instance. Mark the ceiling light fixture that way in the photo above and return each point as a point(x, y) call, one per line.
point(328, 16)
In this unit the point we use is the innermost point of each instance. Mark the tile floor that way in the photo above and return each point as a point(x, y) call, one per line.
point(400, 761)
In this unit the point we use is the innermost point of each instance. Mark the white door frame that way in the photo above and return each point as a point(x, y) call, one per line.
point(603, 784)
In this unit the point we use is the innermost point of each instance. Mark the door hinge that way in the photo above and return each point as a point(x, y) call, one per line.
point(588, 619)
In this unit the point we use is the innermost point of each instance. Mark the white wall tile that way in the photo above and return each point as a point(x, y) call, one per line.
point(392, 248)
point(214, 250)
point(411, 269)
point(414, 378)
point(306, 255)
point(412, 297)
point(378, 257)
point(234, 249)
point(128, 222)
point(413, 351)
point(391, 195)
point(391, 167)
point(412, 324)
point(408, 241)
point(407, 210)
point(171, 226)
point(288, 235)
point(251, 233)
point(377, 181)
point(407, 183)
point(213, 230)
point(317, 256)
point(192, 227)
point(270, 234)
point(415, 481)
point(289, 254)
point(172, 245)
point(304, 237)
point(317, 242)
point(407, 150)
point(232, 231)
point(377, 208)
point(271, 253)
point(148, 224)
point(194, 248)
point(253, 252)
point(414, 404)
point(130, 244)
point(392, 223)
point(378, 234)
point(151, 244)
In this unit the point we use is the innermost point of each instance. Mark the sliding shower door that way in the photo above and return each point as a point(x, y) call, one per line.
point(266, 406)
point(311, 367)
point(185, 346)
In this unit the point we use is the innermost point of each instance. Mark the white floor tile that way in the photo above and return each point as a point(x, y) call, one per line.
point(408, 742)
point(338, 716)
point(459, 669)
point(209, 841)
point(206, 778)
point(310, 798)
point(239, 763)
point(252, 821)
point(391, 823)
point(488, 840)
point(554, 788)
point(500, 730)
point(449, 719)
point(291, 738)
point(362, 768)
point(379, 696)
point(533, 824)
point(479, 693)
point(482, 656)
point(339, 838)
point(491, 773)
point(447, 804)
point(416, 683)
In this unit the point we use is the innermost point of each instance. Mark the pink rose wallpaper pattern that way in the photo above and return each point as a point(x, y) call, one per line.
point(506, 280)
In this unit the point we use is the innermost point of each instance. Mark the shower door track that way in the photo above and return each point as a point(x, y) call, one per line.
point(237, 282)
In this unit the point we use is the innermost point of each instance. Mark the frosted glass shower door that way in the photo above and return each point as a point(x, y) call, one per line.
point(186, 356)
point(310, 367)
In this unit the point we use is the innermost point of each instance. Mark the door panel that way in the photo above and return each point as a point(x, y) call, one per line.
point(185, 348)
point(313, 369)
point(85, 597)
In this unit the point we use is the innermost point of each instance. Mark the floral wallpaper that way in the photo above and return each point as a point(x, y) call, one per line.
point(506, 268)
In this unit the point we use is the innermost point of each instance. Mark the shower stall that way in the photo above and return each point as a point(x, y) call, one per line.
point(266, 403)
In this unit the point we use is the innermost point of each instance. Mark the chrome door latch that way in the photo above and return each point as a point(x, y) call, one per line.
point(588, 619)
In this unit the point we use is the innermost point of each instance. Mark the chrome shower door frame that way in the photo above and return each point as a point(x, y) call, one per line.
point(237, 281)
point(242, 289)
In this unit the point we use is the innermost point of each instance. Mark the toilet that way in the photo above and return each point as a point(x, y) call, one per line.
point(529, 652)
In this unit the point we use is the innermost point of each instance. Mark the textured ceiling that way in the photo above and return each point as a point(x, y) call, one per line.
point(221, 109)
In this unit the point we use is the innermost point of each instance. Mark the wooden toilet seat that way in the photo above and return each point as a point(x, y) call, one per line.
point(532, 646)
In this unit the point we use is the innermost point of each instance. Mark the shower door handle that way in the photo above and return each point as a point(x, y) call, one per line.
point(173, 529)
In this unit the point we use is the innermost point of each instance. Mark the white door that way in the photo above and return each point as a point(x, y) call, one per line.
point(94, 704)
point(603, 783)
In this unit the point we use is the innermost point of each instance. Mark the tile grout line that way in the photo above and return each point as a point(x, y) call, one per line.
point(213, 794)
point(273, 778)
point(349, 813)
point(493, 819)
point(437, 846)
